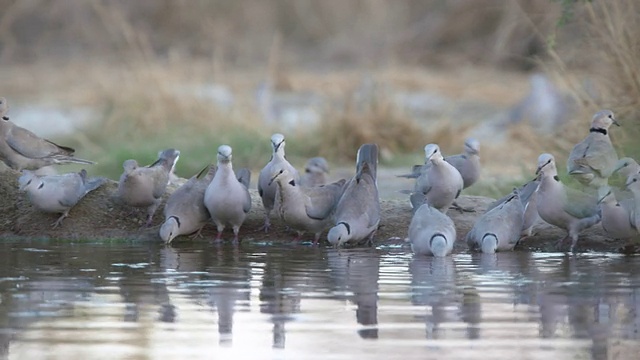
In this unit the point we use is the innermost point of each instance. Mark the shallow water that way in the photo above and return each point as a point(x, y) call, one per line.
point(63, 300)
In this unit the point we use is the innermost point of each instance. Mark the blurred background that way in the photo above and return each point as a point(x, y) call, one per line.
point(124, 79)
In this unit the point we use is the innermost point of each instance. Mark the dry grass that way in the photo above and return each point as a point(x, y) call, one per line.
point(378, 122)
point(608, 58)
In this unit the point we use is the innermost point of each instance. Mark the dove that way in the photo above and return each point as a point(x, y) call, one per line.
point(617, 216)
point(315, 172)
point(21, 149)
point(626, 167)
point(357, 213)
point(562, 206)
point(431, 232)
point(144, 186)
point(185, 212)
point(500, 228)
point(439, 185)
point(57, 193)
point(594, 159)
point(467, 163)
point(227, 196)
point(633, 184)
point(266, 188)
point(528, 196)
point(305, 208)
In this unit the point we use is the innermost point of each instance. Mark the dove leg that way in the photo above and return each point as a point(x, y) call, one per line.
point(316, 238)
point(267, 221)
point(151, 210)
point(59, 221)
point(371, 237)
point(220, 227)
point(236, 230)
point(574, 240)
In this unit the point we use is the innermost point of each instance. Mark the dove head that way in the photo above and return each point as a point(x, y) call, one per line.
point(603, 119)
point(168, 158)
point(129, 165)
point(281, 176)
point(605, 195)
point(26, 180)
point(224, 154)
point(169, 229)
point(317, 165)
point(277, 142)
point(633, 183)
point(472, 146)
point(489, 244)
point(432, 152)
point(546, 165)
point(627, 166)
point(438, 245)
point(339, 234)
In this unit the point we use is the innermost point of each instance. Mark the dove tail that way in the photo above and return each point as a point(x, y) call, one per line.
point(244, 176)
point(367, 154)
point(67, 160)
point(94, 183)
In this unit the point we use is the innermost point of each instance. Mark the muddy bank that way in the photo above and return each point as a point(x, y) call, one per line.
point(101, 216)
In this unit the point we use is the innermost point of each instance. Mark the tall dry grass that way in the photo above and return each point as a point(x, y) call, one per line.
point(597, 55)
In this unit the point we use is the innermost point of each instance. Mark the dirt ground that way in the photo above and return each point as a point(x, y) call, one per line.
point(100, 216)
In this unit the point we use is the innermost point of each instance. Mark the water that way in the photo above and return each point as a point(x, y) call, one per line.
point(63, 300)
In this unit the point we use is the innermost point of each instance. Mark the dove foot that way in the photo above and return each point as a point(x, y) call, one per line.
point(197, 234)
point(59, 221)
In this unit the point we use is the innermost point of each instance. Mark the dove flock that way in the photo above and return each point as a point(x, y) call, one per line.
point(348, 210)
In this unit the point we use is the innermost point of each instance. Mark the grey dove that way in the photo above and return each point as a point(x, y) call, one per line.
point(266, 188)
point(562, 206)
point(21, 149)
point(357, 213)
point(633, 184)
point(58, 193)
point(439, 185)
point(227, 196)
point(305, 208)
point(529, 198)
point(617, 216)
point(626, 167)
point(185, 212)
point(431, 232)
point(593, 160)
point(467, 163)
point(143, 186)
point(500, 228)
point(315, 172)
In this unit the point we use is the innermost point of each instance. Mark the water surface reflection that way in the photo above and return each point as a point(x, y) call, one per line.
point(199, 300)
